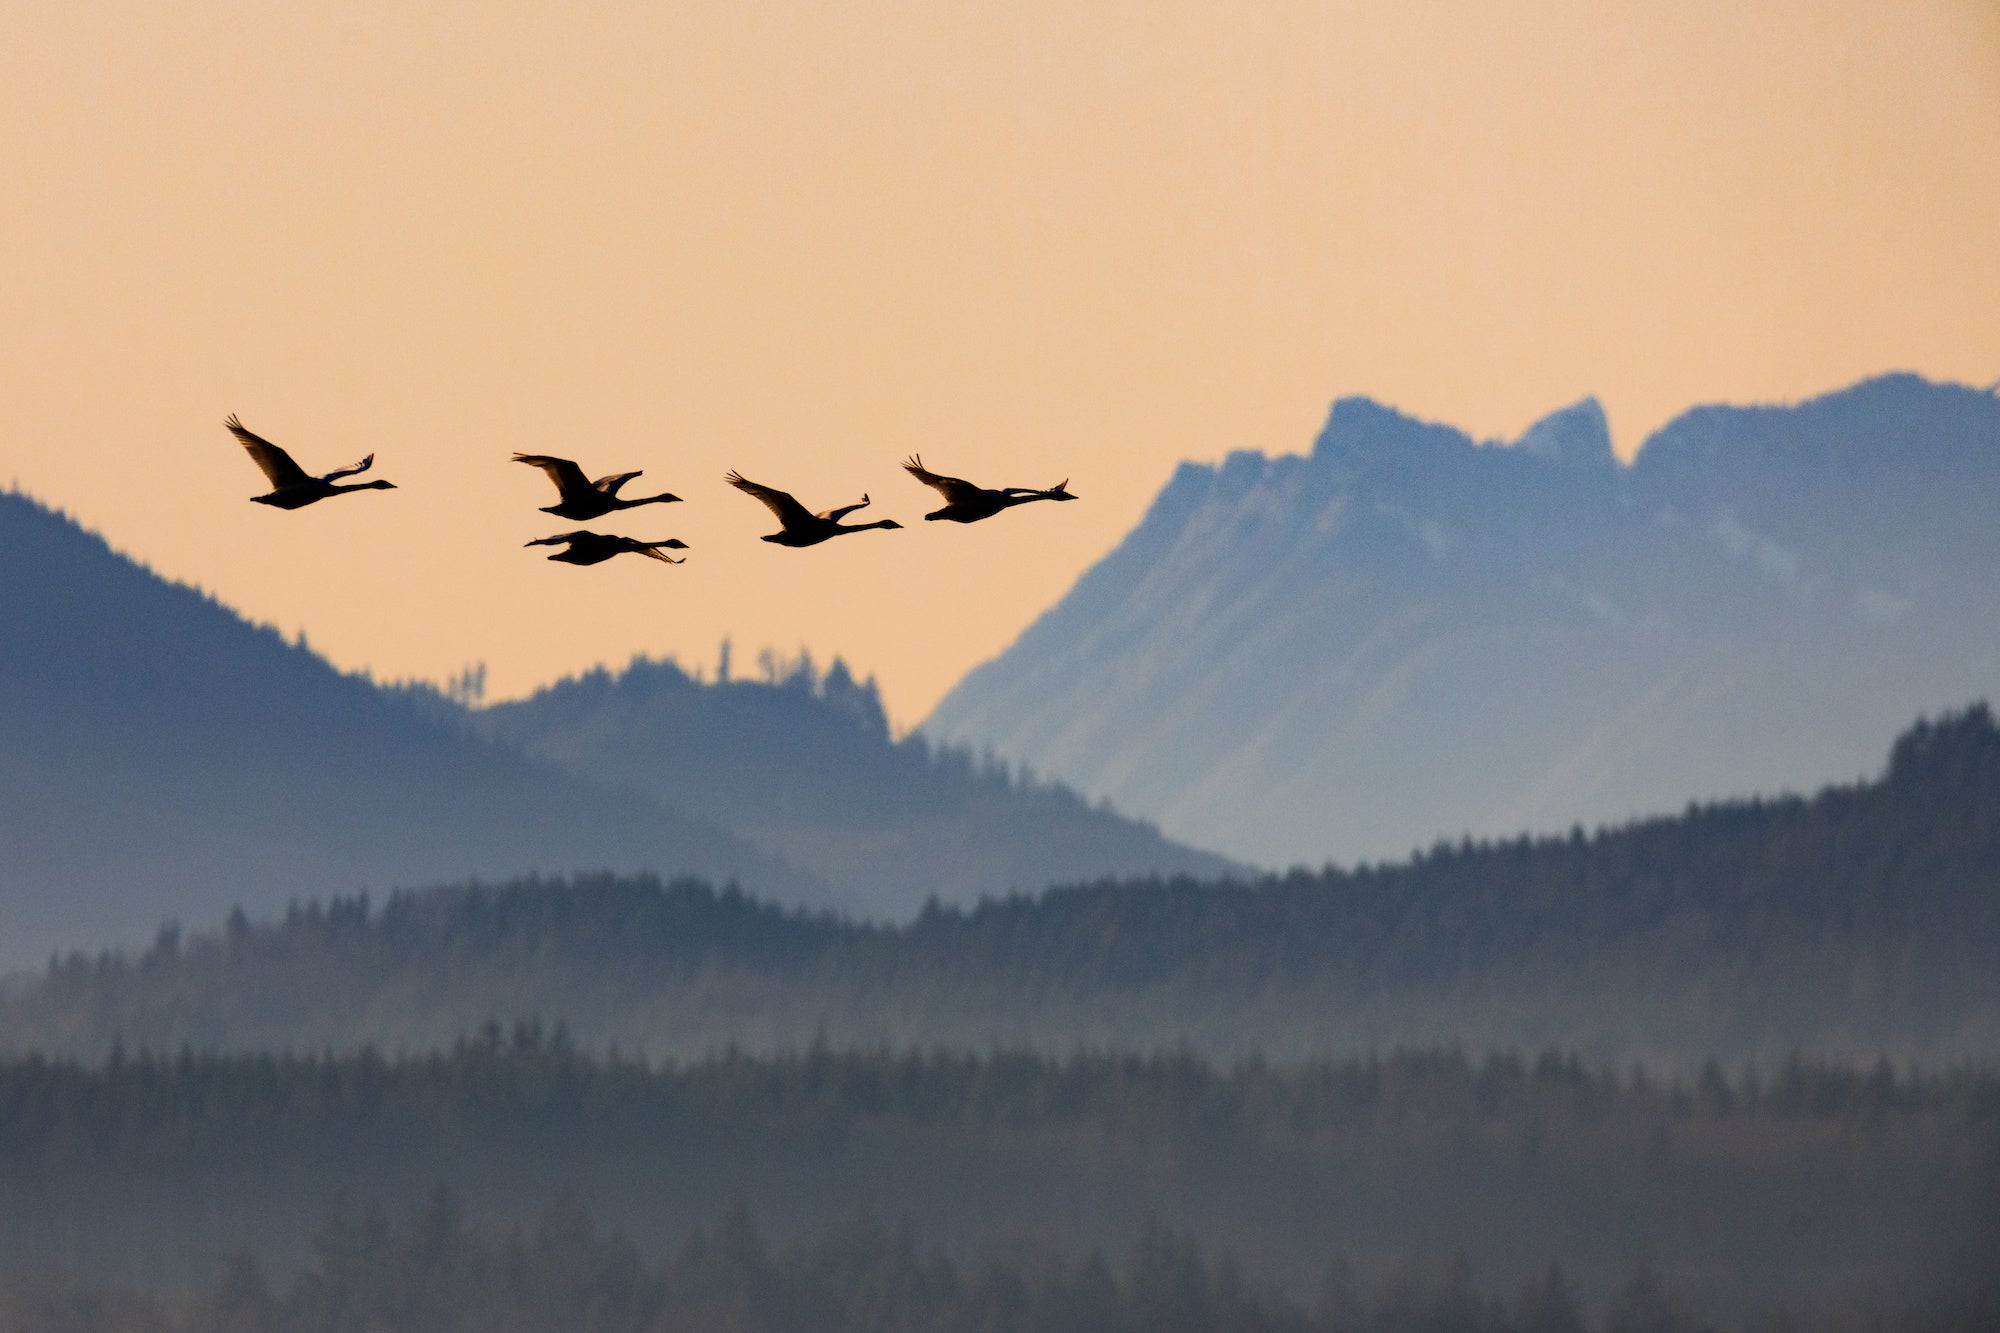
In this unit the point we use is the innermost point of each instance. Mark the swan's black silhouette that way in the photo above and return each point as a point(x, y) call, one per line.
point(594, 548)
point(967, 503)
point(292, 487)
point(582, 498)
point(800, 527)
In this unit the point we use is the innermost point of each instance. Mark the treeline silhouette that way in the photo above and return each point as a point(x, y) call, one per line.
point(441, 1271)
point(1863, 919)
point(742, 739)
point(1808, 1177)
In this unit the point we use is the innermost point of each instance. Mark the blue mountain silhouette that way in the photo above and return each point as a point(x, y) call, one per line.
point(1408, 635)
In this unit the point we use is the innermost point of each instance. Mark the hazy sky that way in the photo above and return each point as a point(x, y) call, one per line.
point(1028, 239)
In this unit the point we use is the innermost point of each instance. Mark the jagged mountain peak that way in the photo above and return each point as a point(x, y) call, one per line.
point(1409, 634)
point(1578, 435)
point(1361, 430)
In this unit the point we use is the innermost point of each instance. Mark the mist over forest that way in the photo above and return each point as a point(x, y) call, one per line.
point(1860, 921)
point(1810, 1186)
point(1031, 1085)
point(1637, 966)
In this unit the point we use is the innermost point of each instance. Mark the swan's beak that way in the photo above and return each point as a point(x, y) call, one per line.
point(676, 543)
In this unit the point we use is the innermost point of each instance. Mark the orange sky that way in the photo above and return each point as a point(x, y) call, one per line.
point(1031, 240)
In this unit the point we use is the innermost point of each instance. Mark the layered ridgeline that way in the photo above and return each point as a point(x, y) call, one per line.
point(1407, 635)
point(162, 758)
point(1860, 921)
point(802, 764)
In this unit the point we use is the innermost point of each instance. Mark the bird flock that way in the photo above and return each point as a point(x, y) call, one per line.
point(583, 500)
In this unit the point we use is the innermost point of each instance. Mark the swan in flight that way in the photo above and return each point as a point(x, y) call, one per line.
point(800, 527)
point(967, 503)
point(292, 487)
point(582, 498)
point(594, 548)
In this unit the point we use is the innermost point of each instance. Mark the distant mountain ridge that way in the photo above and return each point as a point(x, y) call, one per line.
point(1408, 635)
point(161, 758)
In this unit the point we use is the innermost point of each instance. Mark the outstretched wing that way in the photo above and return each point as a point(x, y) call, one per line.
point(1059, 491)
point(567, 476)
point(789, 511)
point(954, 490)
point(360, 467)
point(279, 469)
point(560, 539)
point(645, 548)
point(610, 485)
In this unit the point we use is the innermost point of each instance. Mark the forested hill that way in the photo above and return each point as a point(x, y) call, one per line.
point(801, 763)
point(1863, 919)
point(162, 757)
point(1408, 635)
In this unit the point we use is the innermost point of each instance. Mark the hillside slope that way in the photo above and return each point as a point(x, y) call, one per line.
point(1407, 635)
point(162, 758)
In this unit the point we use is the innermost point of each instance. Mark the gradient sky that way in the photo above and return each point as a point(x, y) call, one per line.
point(1028, 239)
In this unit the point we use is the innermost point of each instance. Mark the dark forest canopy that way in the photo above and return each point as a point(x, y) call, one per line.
point(1811, 1178)
point(442, 1271)
point(1864, 918)
point(176, 1111)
